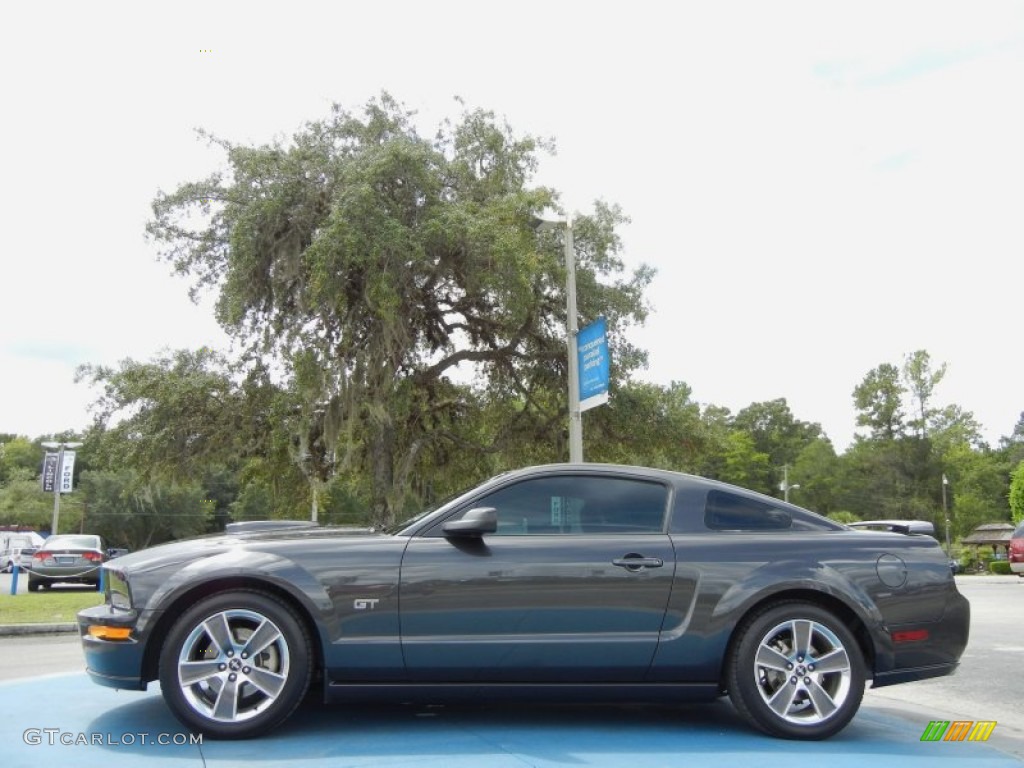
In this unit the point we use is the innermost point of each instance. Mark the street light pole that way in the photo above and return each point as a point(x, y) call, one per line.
point(571, 332)
point(945, 510)
point(784, 486)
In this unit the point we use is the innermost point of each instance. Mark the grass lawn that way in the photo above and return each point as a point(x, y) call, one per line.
point(53, 607)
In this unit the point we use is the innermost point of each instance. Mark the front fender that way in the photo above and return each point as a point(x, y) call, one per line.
point(278, 571)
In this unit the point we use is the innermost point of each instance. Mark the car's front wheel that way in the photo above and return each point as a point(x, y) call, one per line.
point(235, 665)
point(796, 671)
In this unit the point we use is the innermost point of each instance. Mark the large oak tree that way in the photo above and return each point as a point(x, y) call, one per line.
point(395, 279)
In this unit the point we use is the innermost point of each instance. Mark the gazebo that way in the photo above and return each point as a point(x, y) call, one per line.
point(993, 535)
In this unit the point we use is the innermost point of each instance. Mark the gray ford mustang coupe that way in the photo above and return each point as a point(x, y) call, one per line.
point(566, 582)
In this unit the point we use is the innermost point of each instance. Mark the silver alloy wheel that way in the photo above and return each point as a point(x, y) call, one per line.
point(233, 665)
point(802, 671)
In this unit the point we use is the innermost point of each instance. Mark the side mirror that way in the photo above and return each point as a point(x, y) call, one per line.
point(476, 522)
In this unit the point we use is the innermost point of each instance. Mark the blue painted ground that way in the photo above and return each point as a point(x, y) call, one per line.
point(108, 727)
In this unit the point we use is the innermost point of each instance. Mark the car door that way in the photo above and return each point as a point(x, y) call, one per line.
point(572, 586)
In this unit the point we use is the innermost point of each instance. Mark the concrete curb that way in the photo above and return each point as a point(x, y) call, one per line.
point(14, 630)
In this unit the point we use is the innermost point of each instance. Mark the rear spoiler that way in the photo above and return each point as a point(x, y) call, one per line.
point(897, 526)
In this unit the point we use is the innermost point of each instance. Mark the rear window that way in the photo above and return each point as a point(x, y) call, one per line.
point(78, 542)
point(1018, 533)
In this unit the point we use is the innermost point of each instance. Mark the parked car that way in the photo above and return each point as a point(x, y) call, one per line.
point(70, 558)
point(24, 558)
point(1016, 550)
point(20, 556)
point(15, 556)
point(569, 582)
point(13, 547)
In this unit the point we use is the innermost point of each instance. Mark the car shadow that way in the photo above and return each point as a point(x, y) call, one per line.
point(476, 735)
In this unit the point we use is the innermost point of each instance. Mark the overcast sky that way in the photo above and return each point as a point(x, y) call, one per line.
point(822, 186)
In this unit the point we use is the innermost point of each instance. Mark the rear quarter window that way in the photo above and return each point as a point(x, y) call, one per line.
point(726, 511)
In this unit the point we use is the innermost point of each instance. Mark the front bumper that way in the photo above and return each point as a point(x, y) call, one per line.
point(112, 663)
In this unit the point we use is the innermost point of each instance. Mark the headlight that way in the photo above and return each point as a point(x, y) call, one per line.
point(118, 594)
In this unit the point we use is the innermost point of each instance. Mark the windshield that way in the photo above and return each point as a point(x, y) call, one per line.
point(76, 542)
point(399, 528)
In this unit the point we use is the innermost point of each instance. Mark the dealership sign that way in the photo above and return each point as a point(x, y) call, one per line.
point(594, 364)
point(57, 472)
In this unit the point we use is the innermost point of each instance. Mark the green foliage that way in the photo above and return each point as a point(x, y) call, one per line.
point(254, 502)
point(921, 380)
point(130, 512)
point(375, 264)
point(999, 567)
point(23, 503)
point(744, 465)
point(878, 398)
point(817, 470)
point(1016, 495)
point(844, 517)
point(673, 434)
point(18, 457)
point(775, 431)
point(977, 487)
point(167, 418)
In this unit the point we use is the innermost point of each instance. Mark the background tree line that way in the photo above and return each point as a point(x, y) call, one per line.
point(184, 443)
point(399, 327)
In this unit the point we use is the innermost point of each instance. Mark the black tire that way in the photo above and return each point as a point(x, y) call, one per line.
point(33, 585)
point(262, 690)
point(796, 671)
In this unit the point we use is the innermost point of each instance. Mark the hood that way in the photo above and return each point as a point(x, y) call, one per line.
point(188, 550)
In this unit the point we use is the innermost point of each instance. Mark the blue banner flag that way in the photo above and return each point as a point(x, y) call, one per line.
point(594, 364)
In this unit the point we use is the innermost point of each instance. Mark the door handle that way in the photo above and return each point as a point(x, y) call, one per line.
point(636, 562)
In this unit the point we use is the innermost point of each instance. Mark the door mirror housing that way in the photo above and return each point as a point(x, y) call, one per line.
point(476, 522)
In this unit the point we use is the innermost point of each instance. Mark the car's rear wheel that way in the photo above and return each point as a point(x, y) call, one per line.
point(235, 665)
point(796, 671)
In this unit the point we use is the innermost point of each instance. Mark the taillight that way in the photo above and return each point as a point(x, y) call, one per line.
point(41, 556)
point(909, 635)
point(94, 557)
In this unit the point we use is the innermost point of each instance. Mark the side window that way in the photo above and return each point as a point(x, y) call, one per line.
point(578, 504)
point(726, 511)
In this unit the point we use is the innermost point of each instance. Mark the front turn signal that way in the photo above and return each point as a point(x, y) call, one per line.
point(101, 632)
